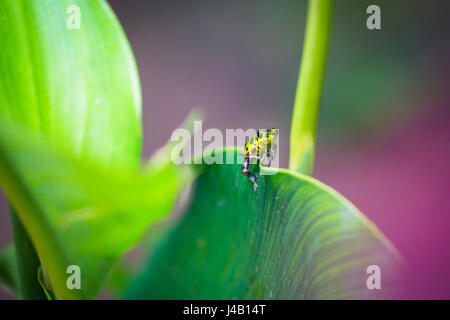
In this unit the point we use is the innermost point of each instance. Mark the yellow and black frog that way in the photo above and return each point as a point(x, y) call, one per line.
point(262, 148)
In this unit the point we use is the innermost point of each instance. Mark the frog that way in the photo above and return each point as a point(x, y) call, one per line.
point(262, 148)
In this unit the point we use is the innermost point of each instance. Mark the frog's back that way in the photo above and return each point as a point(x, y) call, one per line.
point(251, 146)
point(258, 142)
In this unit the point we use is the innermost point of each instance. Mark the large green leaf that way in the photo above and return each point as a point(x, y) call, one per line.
point(77, 86)
point(295, 238)
point(78, 213)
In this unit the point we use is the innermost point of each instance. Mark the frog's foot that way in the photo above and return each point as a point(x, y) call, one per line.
point(269, 156)
point(266, 160)
point(253, 179)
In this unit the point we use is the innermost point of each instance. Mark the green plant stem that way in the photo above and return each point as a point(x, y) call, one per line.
point(9, 275)
point(309, 86)
point(27, 262)
point(39, 231)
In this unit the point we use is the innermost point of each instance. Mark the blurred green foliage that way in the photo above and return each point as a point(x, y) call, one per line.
point(70, 140)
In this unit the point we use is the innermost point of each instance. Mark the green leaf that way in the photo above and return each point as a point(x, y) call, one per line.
point(9, 276)
point(78, 213)
point(41, 279)
point(295, 238)
point(79, 87)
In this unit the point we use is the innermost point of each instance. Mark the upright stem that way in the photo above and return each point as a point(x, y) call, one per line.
point(309, 86)
point(27, 262)
point(53, 257)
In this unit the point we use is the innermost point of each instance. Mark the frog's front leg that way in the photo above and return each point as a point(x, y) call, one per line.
point(269, 156)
